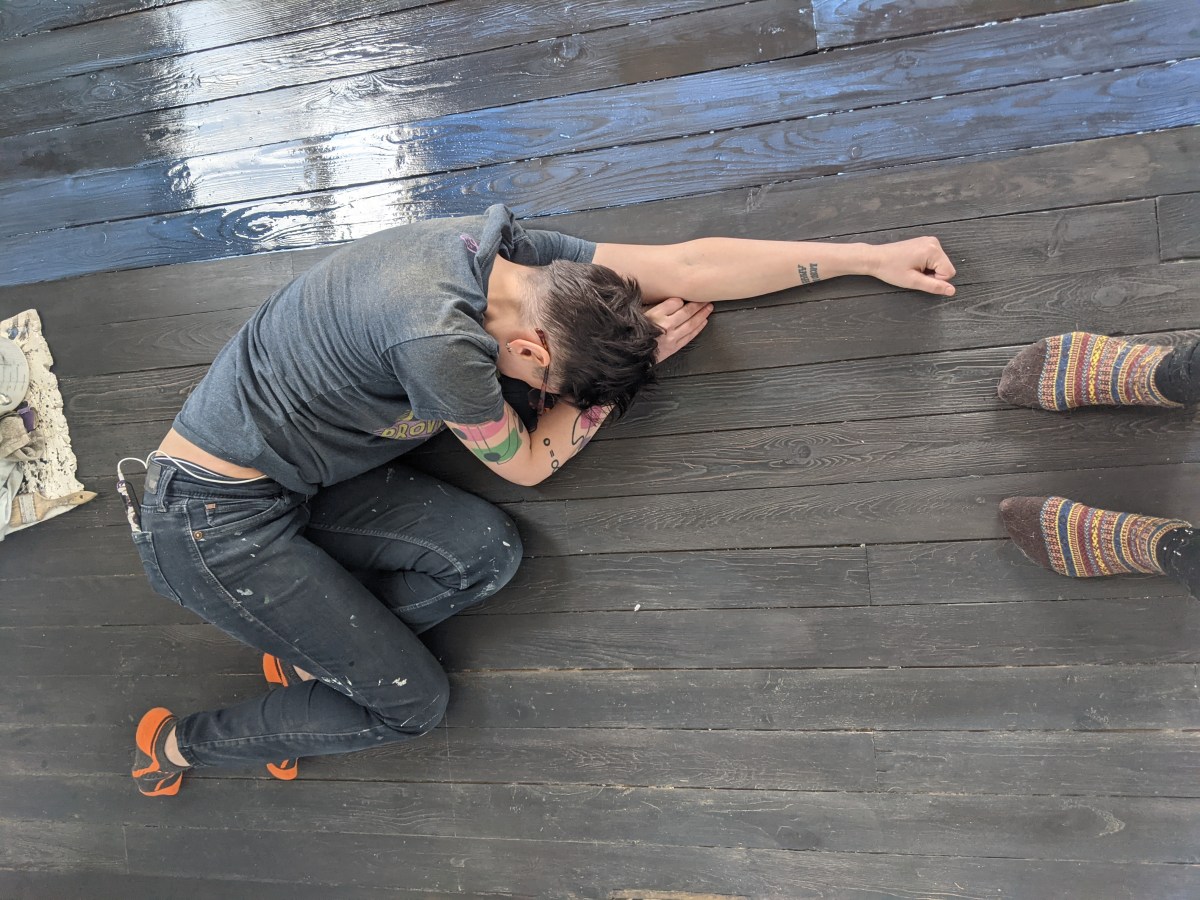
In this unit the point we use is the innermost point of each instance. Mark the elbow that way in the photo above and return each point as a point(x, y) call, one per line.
point(526, 479)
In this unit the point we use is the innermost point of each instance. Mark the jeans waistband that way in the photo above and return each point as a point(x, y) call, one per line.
point(164, 476)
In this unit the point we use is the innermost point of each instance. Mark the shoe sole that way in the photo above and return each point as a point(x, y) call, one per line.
point(146, 738)
point(286, 770)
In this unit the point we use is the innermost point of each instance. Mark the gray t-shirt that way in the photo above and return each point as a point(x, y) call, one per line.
point(365, 355)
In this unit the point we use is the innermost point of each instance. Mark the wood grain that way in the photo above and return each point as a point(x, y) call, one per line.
point(595, 870)
point(21, 17)
point(979, 698)
point(154, 32)
point(1179, 226)
point(852, 21)
point(1140, 99)
point(1101, 632)
point(1071, 697)
point(911, 69)
point(1145, 764)
point(1146, 829)
point(533, 71)
point(352, 48)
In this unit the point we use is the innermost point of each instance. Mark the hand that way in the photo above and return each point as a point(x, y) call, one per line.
point(920, 264)
point(680, 321)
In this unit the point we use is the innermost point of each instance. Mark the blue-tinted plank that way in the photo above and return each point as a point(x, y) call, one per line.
point(1027, 51)
point(1132, 100)
point(169, 31)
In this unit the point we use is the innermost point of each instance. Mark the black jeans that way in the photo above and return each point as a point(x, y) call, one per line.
point(1178, 377)
point(339, 584)
point(1179, 556)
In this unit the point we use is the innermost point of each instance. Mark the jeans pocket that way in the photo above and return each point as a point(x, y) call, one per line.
point(221, 516)
point(144, 542)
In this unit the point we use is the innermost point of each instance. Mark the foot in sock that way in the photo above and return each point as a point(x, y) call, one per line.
point(276, 671)
point(155, 774)
point(1082, 369)
point(1082, 541)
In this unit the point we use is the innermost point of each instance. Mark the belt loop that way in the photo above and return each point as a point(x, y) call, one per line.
point(158, 477)
point(154, 471)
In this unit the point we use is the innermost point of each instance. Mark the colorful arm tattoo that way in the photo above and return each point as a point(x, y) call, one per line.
point(493, 442)
point(586, 424)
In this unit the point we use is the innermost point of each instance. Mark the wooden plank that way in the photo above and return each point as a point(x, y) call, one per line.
point(986, 699)
point(1179, 226)
point(834, 515)
point(1142, 829)
point(915, 68)
point(900, 511)
point(842, 22)
point(92, 699)
point(1092, 172)
point(154, 33)
point(948, 699)
point(1075, 269)
point(927, 446)
point(95, 301)
point(729, 579)
point(96, 599)
point(27, 885)
point(1006, 182)
point(1151, 830)
point(530, 71)
point(719, 580)
point(50, 846)
point(818, 146)
point(21, 17)
point(348, 49)
point(55, 549)
point(984, 312)
point(918, 384)
point(1066, 632)
point(986, 572)
point(128, 650)
point(90, 750)
point(743, 760)
point(1045, 633)
point(1147, 764)
point(562, 869)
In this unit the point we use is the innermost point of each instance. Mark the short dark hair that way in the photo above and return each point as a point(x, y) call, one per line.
point(602, 345)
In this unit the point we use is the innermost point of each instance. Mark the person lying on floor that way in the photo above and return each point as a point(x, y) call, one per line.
point(1067, 371)
point(271, 509)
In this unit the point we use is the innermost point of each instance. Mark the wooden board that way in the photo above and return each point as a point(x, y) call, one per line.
point(911, 69)
point(853, 21)
point(1179, 226)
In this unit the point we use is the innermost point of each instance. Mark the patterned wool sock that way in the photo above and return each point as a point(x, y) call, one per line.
point(1082, 541)
point(1082, 369)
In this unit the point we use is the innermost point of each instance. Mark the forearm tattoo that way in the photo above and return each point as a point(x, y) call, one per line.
point(810, 276)
point(493, 442)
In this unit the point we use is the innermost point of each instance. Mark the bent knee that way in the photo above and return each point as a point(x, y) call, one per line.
point(499, 558)
point(412, 716)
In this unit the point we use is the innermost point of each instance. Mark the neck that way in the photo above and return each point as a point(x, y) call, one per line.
point(506, 297)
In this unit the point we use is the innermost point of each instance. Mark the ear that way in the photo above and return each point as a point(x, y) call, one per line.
point(529, 349)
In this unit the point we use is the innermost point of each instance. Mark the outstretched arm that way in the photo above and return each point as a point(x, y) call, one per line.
point(710, 269)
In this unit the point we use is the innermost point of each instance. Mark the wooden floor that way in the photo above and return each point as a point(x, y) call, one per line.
point(769, 642)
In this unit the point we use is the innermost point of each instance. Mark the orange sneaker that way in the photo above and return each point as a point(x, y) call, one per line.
point(276, 671)
point(156, 776)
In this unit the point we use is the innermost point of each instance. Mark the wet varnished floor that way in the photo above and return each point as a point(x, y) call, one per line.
point(769, 642)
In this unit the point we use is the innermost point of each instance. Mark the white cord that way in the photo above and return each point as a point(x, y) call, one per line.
point(185, 466)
